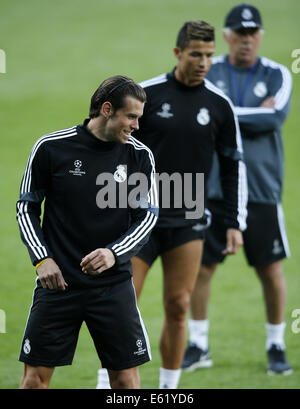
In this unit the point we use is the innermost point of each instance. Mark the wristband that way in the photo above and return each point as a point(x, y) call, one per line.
point(41, 262)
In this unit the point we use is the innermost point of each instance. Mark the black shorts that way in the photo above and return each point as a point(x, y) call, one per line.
point(111, 315)
point(165, 239)
point(265, 240)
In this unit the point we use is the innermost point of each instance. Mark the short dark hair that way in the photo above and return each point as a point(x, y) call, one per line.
point(195, 30)
point(114, 90)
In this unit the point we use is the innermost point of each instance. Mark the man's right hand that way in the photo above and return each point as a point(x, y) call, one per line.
point(234, 240)
point(50, 275)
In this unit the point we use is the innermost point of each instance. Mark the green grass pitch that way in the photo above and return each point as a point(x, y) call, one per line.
point(57, 53)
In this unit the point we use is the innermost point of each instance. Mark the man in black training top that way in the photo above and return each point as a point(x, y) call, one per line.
point(82, 251)
point(186, 120)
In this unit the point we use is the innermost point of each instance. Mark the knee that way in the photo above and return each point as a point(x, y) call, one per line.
point(121, 382)
point(176, 306)
point(271, 274)
point(35, 377)
point(33, 381)
point(126, 379)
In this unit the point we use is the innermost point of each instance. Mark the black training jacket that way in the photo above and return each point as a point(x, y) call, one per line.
point(67, 169)
point(184, 126)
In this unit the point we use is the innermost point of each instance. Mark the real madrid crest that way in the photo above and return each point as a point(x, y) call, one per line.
point(26, 346)
point(203, 117)
point(247, 14)
point(120, 174)
point(260, 89)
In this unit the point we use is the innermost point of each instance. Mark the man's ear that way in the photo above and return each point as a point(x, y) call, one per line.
point(177, 52)
point(225, 36)
point(106, 109)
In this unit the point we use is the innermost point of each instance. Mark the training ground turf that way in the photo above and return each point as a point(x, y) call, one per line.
point(57, 53)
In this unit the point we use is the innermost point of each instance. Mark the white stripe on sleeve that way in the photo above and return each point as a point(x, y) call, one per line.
point(23, 217)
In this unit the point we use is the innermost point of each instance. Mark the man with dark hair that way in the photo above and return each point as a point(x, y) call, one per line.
point(82, 251)
point(195, 30)
point(185, 120)
point(115, 90)
point(260, 90)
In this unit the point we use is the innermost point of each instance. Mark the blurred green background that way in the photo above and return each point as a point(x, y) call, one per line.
point(57, 53)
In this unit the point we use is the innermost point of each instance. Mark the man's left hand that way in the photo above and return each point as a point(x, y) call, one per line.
point(97, 261)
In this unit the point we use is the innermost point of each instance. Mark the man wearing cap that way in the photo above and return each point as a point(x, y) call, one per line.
point(260, 90)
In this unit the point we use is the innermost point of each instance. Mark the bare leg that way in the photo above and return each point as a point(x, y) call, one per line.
point(274, 290)
point(124, 379)
point(180, 266)
point(201, 293)
point(140, 269)
point(36, 377)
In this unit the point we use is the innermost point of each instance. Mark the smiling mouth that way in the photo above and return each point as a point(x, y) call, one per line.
point(127, 134)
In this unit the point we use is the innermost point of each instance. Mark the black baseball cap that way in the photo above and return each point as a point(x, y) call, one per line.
point(243, 16)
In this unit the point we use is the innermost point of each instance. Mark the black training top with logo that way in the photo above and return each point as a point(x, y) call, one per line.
point(184, 126)
point(68, 169)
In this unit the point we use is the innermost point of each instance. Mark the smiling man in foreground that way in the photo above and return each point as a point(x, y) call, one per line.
point(82, 251)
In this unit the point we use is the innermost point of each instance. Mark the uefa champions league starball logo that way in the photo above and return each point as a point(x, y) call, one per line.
point(77, 163)
point(139, 343)
point(77, 171)
point(165, 111)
